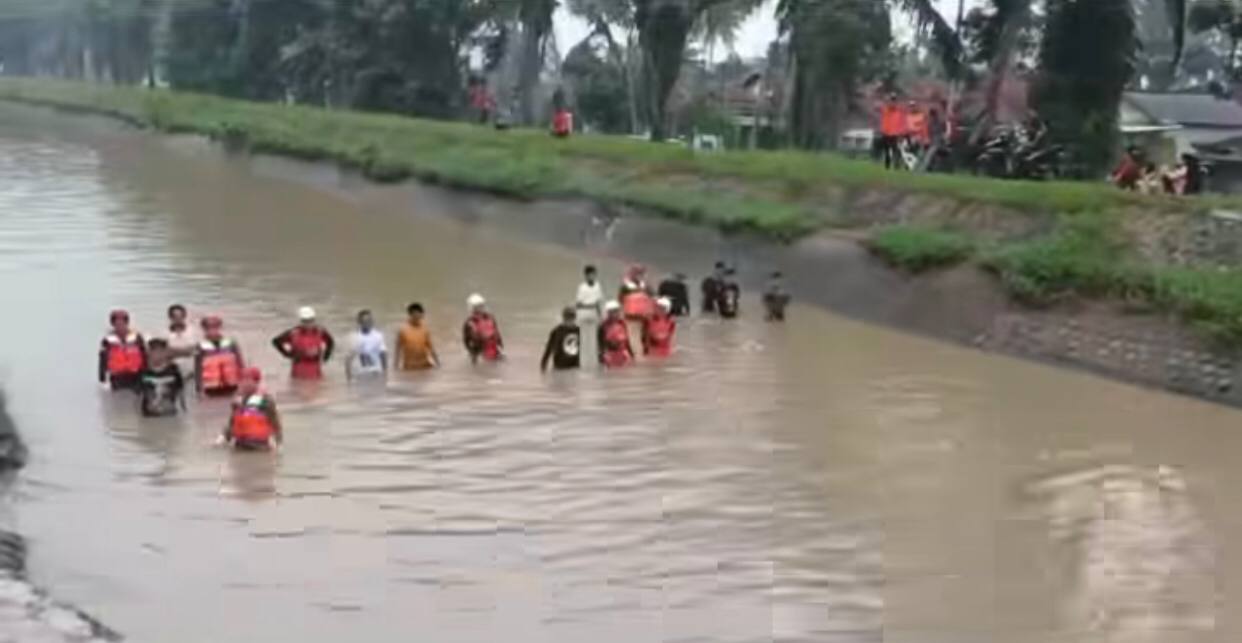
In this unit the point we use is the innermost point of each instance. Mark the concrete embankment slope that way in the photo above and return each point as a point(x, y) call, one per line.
point(27, 614)
point(1144, 289)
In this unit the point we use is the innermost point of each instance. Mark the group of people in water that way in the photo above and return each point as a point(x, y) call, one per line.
point(158, 369)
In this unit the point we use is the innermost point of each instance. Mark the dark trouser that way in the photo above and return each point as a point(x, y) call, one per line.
point(223, 391)
point(125, 381)
point(251, 445)
point(890, 151)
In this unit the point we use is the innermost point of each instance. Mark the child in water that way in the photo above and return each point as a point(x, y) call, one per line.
point(161, 386)
point(254, 423)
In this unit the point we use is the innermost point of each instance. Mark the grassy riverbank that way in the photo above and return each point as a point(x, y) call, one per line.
point(776, 194)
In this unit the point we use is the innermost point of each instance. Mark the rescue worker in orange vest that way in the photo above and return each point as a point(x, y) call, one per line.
point(893, 127)
point(658, 330)
point(122, 355)
point(308, 345)
point(635, 294)
point(254, 423)
point(218, 362)
point(481, 334)
point(562, 123)
point(613, 338)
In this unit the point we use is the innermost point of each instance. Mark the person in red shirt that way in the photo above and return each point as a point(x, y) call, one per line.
point(481, 334)
point(917, 127)
point(307, 345)
point(658, 330)
point(1130, 170)
point(122, 355)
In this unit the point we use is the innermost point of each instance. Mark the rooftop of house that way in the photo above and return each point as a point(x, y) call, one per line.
point(1192, 110)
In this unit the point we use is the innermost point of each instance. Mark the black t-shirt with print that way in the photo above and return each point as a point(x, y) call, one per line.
point(161, 391)
point(564, 347)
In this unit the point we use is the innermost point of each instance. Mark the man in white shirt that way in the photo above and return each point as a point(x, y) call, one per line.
point(590, 300)
point(368, 353)
point(182, 340)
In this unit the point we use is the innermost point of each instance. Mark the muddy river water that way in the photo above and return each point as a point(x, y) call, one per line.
point(818, 481)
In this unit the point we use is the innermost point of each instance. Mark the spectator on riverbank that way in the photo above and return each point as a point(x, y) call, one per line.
point(1128, 172)
point(893, 126)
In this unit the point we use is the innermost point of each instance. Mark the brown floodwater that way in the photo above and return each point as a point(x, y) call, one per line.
point(820, 480)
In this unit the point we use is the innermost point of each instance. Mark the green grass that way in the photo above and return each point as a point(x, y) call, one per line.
point(774, 194)
point(916, 248)
point(771, 193)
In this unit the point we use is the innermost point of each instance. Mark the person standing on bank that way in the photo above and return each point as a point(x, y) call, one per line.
point(564, 347)
point(415, 352)
point(368, 353)
point(675, 291)
point(308, 346)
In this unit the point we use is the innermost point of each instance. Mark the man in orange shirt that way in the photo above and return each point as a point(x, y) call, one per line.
point(916, 125)
point(893, 126)
point(414, 349)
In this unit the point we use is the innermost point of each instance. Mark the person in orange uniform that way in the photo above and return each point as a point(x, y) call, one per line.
point(254, 423)
point(481, 333)
point(635, 294)
point(415, 352)
point(658, 330)
point(308, 345)
point(218, 362)
point(613, 338)
point(893, 127)
point(122, 355)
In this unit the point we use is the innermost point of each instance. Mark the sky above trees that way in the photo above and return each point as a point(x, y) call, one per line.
point(752, 40)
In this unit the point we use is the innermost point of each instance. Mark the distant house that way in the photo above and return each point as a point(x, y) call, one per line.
point(1169, 125)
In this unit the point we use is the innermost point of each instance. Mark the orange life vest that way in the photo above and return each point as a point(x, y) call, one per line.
point(892, 120)
point(250, 421)
point(220, 367)
point(917, 122)
point(563, 122)
point(307, 346)
point(616, 344)
point(659, 335)
point(636, 303)
point(486, 333)
point(125, 355)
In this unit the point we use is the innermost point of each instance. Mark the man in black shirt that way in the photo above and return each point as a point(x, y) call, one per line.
point(564, 344)
point(730, 295)
point(676, 291)
point(711, 288)
point(775, 298)
point(161, 386)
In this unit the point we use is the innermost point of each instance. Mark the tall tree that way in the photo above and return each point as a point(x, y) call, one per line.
point(1087, 57)
point(835, 45)
point(604, 16)
point(1222, 18)
point(535, 17)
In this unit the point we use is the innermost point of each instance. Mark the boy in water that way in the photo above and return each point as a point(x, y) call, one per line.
point(775, 299)
point(162, 387)
point(254, 423)
point(415, 352)
point(564, 344)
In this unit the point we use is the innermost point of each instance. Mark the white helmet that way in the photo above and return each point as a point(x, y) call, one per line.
point(306, 313)
point(475, 300)
point(665, 303)
point(612, 306)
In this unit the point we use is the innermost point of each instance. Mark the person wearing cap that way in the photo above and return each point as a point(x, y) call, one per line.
point(634, 293)
point(678, 295)
point(564, 346)
point(218, 361)
point(307, 345)
point(254, 423)
point(481, 334)
point(415, 352)
point(613, 338)
point(658, 330)
point(122, 355)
